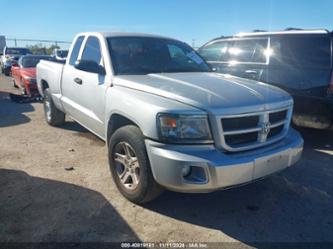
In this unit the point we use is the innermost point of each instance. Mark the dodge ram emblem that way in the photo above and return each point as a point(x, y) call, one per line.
point(266, 128)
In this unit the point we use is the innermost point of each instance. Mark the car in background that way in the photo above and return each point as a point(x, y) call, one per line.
point(298, 61)
point(11, 55)
point(24, 73)
point(60, 54)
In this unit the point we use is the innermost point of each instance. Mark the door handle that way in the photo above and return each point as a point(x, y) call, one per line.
point(78, 81)
point(251, 72)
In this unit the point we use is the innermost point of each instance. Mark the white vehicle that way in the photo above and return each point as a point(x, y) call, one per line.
point(167, 119)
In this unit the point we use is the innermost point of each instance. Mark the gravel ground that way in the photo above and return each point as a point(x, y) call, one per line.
point(55, 185)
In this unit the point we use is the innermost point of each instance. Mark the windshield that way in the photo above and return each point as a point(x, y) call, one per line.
point(144, 55)
point(32, 61)
point(17, 51)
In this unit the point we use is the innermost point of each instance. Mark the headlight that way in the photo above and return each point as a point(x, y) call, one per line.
point(8, 62)
point(184, 128)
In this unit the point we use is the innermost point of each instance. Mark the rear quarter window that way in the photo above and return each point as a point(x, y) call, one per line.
point(302, 51)
point(76, 50)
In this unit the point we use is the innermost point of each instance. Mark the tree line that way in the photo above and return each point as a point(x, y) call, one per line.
point(41, 49)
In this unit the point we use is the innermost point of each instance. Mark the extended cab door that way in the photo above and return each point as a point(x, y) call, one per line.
point(83, 91)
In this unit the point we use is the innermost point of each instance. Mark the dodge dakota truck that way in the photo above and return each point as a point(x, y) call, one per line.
point(169, 121)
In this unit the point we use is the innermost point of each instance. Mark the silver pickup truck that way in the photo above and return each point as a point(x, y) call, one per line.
point(168, 120)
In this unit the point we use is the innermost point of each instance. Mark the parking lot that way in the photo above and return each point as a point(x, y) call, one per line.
point(55, 185)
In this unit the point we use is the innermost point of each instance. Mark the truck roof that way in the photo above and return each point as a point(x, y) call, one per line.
point(285, 32)
point(124, 34)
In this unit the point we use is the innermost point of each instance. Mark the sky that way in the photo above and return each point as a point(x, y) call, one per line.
point(191, 21)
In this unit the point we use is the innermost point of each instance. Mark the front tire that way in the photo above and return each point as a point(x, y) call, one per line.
point(130, 167)
point(53, 116)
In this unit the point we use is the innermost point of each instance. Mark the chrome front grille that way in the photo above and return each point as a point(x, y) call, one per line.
point(252, 130)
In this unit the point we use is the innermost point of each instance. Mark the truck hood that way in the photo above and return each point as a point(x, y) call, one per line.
point(207, 91)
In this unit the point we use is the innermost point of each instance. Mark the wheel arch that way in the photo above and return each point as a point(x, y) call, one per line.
point(44, 84)
point(117, 121)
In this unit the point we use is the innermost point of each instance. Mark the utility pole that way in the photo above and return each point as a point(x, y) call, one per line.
point(15, 41)
point(193, 43)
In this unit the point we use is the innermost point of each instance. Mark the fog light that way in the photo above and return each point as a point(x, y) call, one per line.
point(194, 174)
point(186, 171)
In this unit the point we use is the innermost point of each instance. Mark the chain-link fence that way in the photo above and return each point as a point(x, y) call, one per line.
point(18, 42)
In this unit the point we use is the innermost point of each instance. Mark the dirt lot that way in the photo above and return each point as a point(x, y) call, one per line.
point(42, 201)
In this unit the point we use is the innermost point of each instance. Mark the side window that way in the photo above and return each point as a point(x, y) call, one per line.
point(216, 51)
point(248, 50)
point(175, 51)
point(303, 51)
point(76, 50)
point(92, 50)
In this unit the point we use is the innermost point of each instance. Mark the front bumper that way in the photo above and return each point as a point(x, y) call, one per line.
point(213, 169)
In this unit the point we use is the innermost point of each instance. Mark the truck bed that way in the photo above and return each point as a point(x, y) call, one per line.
point(50, 73)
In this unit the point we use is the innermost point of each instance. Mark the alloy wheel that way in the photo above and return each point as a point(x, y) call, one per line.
point(127, 165)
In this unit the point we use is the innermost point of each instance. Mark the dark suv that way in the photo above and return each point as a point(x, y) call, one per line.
point(299, 61)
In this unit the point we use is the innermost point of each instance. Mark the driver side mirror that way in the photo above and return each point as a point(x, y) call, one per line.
point(15, 64)
point(90, 66)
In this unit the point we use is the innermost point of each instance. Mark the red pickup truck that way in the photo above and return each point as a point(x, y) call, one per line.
point(24, 73)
